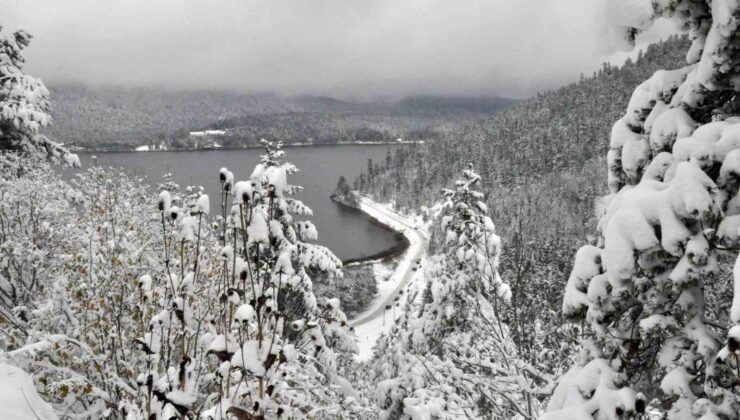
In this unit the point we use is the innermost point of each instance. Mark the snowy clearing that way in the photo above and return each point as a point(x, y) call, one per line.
point(370, 323)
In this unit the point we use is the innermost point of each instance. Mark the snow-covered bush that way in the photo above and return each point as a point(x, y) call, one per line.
point(84, 245)
point(33, 218)
point(24, 104)
point(656, 343)
point(122, 305)
point(449, 355)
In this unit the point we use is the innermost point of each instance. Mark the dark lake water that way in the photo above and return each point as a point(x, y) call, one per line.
point(348, 234)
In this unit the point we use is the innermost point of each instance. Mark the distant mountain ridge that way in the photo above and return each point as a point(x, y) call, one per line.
point(484, 105)
point(122, 118)
point(416, 105)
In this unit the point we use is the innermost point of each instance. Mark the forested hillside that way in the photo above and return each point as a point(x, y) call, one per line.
point(112, 117)
point(560, 130)
point(541, 165)
point(122, 118)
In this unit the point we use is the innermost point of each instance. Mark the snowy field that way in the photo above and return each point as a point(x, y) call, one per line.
point(374, 321)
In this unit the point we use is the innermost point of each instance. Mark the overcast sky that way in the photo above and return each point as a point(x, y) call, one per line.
point(361, 48)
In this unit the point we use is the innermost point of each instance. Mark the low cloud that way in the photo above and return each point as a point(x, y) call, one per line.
point(349, 48)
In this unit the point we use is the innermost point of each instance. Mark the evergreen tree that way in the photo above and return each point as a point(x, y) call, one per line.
point(654, 291)
point(449, 355)
point(342, 184)
point(24, 104)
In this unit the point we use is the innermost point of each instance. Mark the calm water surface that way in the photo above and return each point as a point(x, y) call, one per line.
point(348, 234)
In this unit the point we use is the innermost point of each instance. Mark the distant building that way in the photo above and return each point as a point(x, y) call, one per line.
point(208, 133)
point(206, 139)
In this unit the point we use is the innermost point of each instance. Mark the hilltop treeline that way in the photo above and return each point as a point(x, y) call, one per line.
point(122, 118)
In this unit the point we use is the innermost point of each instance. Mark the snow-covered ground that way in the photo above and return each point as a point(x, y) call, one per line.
point(374, 321)
point(18, 397)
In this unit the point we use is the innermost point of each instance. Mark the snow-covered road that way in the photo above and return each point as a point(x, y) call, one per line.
point(370, 323)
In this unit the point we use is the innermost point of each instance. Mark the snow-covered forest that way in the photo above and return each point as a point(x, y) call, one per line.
point(574, 256)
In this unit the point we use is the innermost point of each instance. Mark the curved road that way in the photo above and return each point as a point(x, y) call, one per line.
point(418, 239)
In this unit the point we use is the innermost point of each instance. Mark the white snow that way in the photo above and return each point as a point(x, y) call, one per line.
point(219, 343)
point(676, 382)
point(277, 179)
point(258, 229)
point(251, 358)
point(18, 397)
point(204, 204)
point(72, 160)
point(587, 265)
point(735, 311)
point(668, 126)
point(245, 313)
point(597, 379)
point(165, 201)
point(188, 229)
point(208, 133)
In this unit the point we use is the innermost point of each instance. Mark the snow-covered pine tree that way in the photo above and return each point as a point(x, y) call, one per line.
point(655, 290)
point(24, 104)
point(449, 355)
point(344, 194)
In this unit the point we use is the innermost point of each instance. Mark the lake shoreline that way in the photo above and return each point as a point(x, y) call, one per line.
point(251, 147)
point(346, 234)
point(396, 250)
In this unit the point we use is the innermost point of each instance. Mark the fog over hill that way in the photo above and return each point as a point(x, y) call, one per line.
point(369, 49)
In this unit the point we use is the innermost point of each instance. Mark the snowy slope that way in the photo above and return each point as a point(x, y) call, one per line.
point(370, 323)
point(18, 397)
